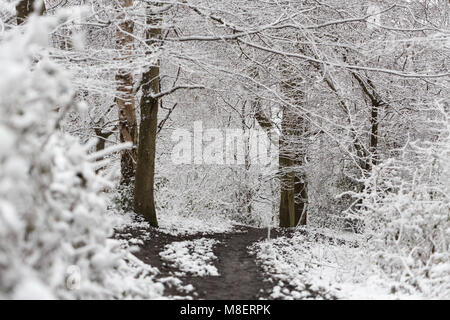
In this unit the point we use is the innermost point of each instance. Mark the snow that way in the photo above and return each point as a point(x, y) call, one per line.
point(54, 231)
point(176, 224)
point(7, 141)
point(193, 257)
point(56, 213)
point(311, 267)
point(32, 289)
point(180, 287)
point(8, 218)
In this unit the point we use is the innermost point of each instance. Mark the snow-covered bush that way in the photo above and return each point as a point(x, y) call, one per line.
point(54, 230)
point(406, 203)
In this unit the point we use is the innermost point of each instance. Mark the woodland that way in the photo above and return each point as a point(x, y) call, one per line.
point(224, 149)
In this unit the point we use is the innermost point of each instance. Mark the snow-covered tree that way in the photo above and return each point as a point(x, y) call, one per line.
point(54, 229)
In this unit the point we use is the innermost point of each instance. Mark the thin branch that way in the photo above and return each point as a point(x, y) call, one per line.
point(173, 89)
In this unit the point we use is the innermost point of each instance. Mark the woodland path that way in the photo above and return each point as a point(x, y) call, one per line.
point(240, 276)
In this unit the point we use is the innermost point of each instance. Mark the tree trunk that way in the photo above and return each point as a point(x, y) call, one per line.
point(125, 97)
point(300, 181)
point(376, 102)
point(102, 136)
point(294, 196)
point(287, 180)
point(25, 8)
point(301, 199)
point(293, 185)
point(373, 147)
point(144, 201)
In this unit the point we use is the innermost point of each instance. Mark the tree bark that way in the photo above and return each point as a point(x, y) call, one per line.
point(102, 136)
point(125, 97)
point(294, 195)
point(144, 200)
point(373, 147)
point(376, 102)
point(287, 178)
point(293, 185)
point(25, 8)
point(301, 199)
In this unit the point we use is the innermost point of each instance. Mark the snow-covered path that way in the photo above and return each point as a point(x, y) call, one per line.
point(239, 276)
point(238, 265)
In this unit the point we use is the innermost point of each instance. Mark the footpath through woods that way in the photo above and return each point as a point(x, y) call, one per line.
point(239, 277)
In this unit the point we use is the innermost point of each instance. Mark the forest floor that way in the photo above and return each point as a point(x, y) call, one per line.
point(240, 262)
point(234, 272)
point(239, 276)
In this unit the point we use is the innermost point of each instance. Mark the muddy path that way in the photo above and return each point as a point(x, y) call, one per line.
point(240, 276)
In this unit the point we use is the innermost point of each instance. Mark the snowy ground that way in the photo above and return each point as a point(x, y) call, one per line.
point(193, 257)
point(184, 259)
point(302, 264)
point(309, 265)
point(177, 224)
